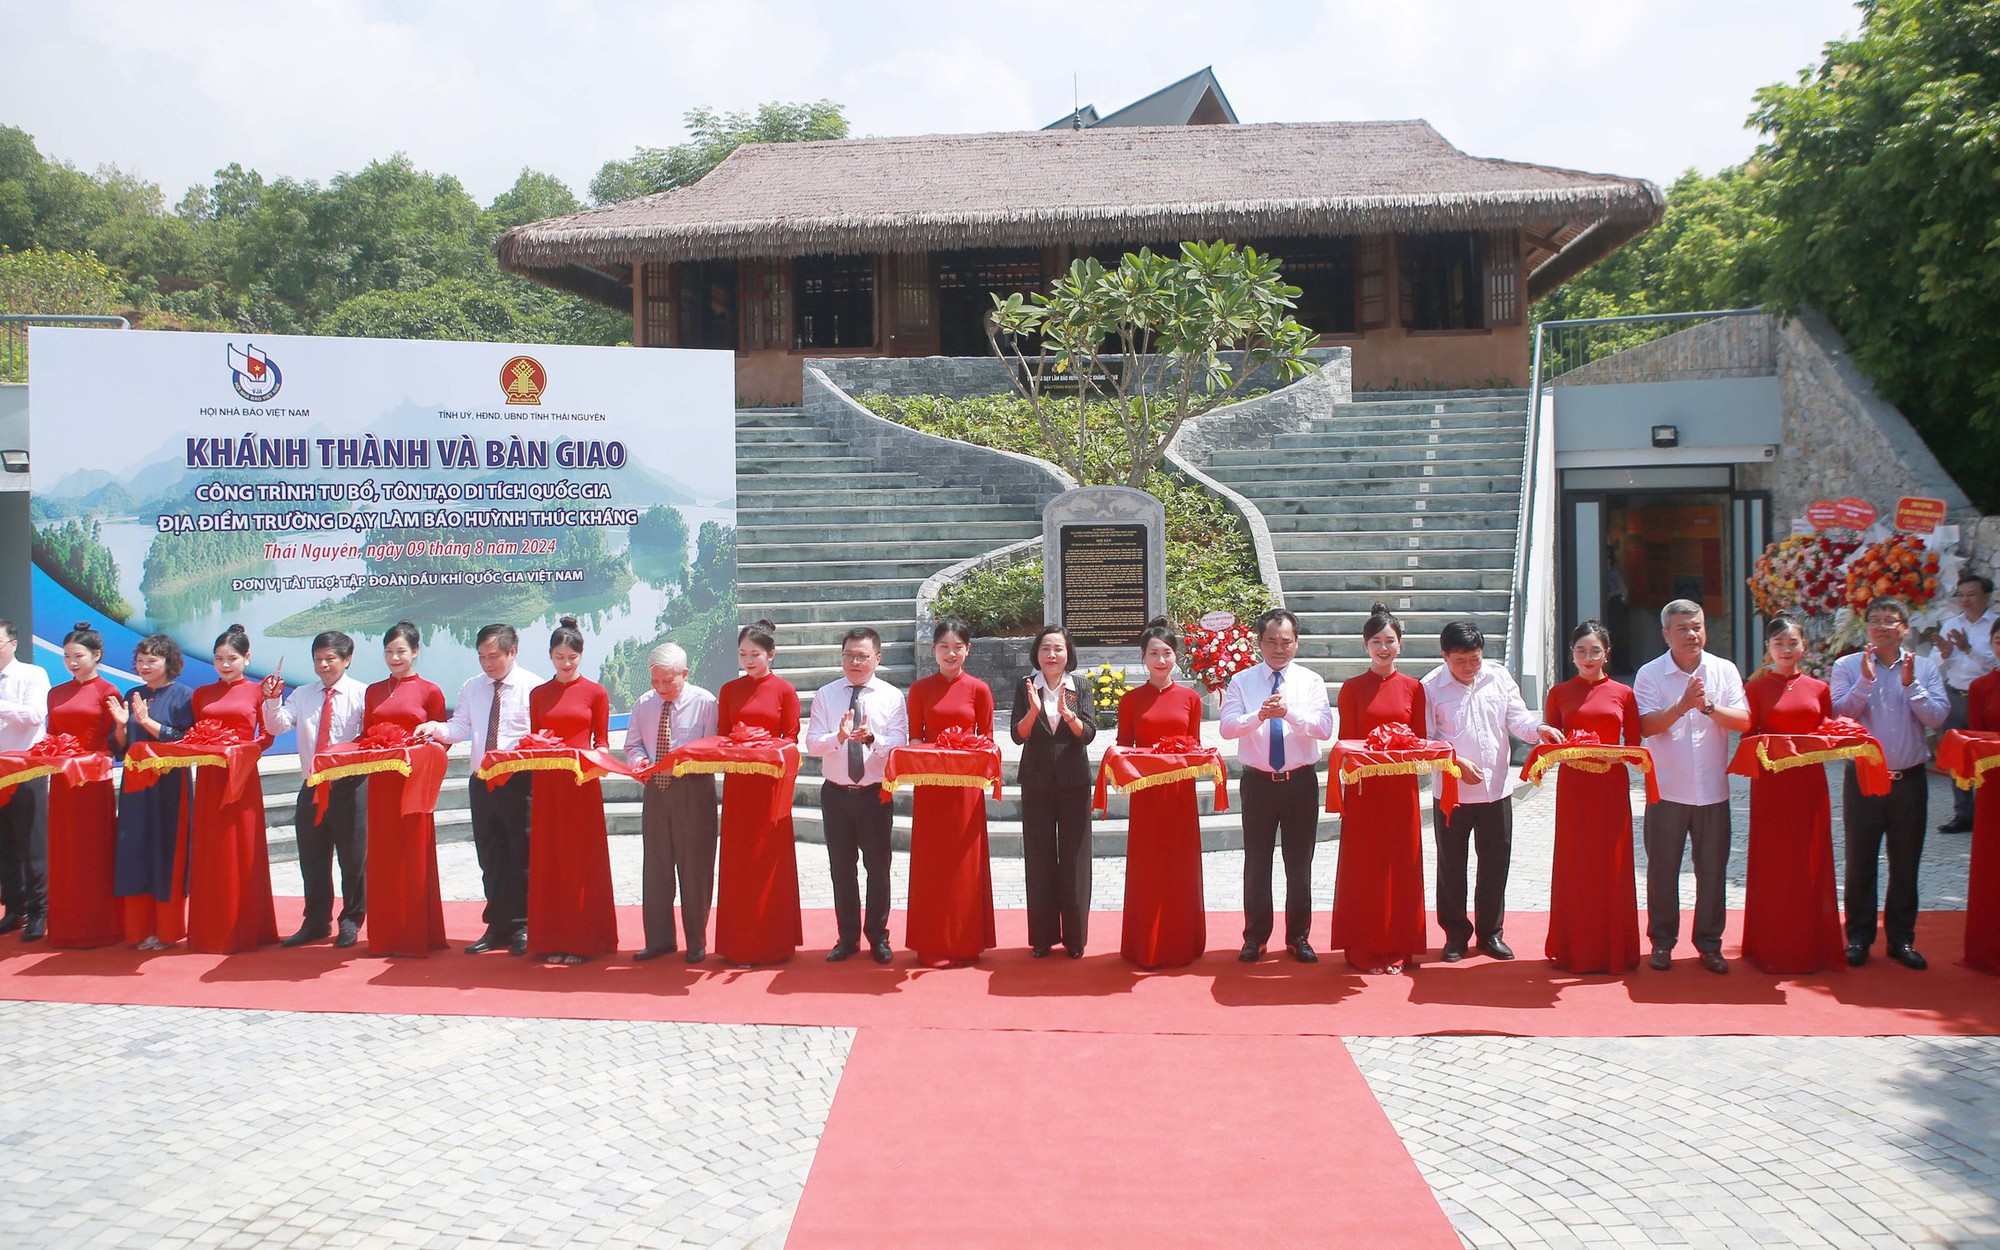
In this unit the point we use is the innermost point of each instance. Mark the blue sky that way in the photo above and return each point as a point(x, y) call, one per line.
point(481, 88)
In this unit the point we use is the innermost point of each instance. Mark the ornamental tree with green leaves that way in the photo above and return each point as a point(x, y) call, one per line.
point(1190, 332)
point(712, 136)
point(1881, 172)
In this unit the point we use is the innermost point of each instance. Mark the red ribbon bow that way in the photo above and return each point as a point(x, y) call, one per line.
point(960, 738)
point(1175, 744)
point(386, 735)
point(1583, 738)
point(750, 734)
point(210, 732)
point(58, 746)
point(1841, 727)
point(1392, 737)
point(541, 740)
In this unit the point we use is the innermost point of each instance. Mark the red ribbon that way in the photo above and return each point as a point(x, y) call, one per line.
point(961, 738)
point(1174, 744)
point(1842, 727)
point(1392, 737)
point(750, 735)
point(58, 746)
point(210, 732)
point(387, 735)
point(540, 740)
point(1582, 738)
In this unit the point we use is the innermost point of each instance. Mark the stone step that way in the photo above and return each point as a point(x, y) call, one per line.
point(1388, 519)
point(1335, 669)
point(1340, 447)
point(1346, 485)
point(1420, 623)
point(1392, 581)
point(1292, 472)
point(1377, 561)
point(837, 562)
point(822, 554)
point(826, 655)
point(810, 678)
point(757, 497)
point(904, 588)
point(1373, 405)
point(754, 514)
point(967, 536)
point(764, 467)
point(1462, 602)
point(765, 437)
point(825, 484)
point(870, 612)
point(1279, 505)
point(773, 418)
point(829, 633)
point(1497, 426)
point(1318, 538)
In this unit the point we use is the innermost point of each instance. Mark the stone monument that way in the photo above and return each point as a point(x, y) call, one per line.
point(1104, 558)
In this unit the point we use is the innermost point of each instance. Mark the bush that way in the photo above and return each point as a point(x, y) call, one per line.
point(997, 601)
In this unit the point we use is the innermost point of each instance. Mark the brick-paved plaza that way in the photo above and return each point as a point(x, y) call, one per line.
point(159, 1126)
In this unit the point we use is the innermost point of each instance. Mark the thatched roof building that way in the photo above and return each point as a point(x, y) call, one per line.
point(988, 212)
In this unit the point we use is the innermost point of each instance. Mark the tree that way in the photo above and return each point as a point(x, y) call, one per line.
point(535, 196)
point(51, 283)
point(712, 136)
point(1172, 320)
point(452, 309)
point(1882, 177)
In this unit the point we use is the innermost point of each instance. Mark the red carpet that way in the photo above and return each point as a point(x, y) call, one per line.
point(1008, 990)
point(971, 1139)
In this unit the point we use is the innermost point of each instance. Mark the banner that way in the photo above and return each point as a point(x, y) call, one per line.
point(184, 482)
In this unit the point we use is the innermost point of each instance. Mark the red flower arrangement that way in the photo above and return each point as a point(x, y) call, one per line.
point(1801, 574)
point(1216, 655)
point(1897, 566)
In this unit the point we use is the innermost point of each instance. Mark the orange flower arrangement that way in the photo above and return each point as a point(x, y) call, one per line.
point(1897, 566)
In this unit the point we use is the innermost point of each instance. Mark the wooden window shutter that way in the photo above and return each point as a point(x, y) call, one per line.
point(762, 286)
point(1371, 269)
point(915, 300)
point(656, 300)
point(1503, 278)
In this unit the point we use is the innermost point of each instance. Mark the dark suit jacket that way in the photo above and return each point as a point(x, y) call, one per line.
point(1053, 759)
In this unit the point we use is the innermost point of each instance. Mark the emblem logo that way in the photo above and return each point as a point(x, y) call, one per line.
point(256, 375)
point(523, 380)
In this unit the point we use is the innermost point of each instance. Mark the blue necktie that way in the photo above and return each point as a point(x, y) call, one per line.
point(1277, 726)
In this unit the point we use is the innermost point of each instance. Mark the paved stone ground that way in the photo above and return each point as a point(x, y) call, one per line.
point(164, 1127)
point(1701, 1142)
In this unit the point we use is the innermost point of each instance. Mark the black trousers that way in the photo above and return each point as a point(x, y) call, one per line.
point(677, 830)
point(500, 836)
point(1055, 854)
point(1278, 813)
point(1897, 817)
point(857, 821)
point(1702, 832)
point(342, 833)
point(1488, 829)
point(24, 849)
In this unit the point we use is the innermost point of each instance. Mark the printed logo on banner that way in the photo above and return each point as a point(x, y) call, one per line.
point(523, 380)
point(256, 375)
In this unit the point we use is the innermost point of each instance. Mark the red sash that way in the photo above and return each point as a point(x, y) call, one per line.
point(1966, 754)
point(1131, 769)
point(930, 764)
point(1591, 757)
point(421, 763)
point(58, 753)
point(1776, 753)
point(1353, 760)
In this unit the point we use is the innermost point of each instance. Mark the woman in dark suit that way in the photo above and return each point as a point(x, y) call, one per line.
point(1054, 721)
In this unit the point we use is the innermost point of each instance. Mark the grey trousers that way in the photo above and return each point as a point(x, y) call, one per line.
point(677, 827)
point(1670, 827)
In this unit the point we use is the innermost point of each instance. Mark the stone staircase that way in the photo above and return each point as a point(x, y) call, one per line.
point(825, 542)
point(1409, 499)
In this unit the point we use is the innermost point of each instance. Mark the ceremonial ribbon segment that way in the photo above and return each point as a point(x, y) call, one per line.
point(745, 749)
point(1584, 750)
point(1169, 760)
point(209, 744)
point(57, 753)
point(1389, 751)
point(386, 748)
point(1838, 738)
point(956, 757)
point(544, 752)
point(1967, 755)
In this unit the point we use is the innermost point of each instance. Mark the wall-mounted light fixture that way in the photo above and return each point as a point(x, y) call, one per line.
point(14, 461)
point(1666, 436)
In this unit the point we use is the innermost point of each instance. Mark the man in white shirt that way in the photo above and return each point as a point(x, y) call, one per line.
point(1277, 714)
point(677, 815)
point(1474, 704)
point(1965, 653)
point(1689, 701)
point(24, 822)
point(856, 721)
point(1897, 696)
point(492, 714)
point(324, 713)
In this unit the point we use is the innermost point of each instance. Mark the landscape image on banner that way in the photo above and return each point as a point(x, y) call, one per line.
point(184, 482)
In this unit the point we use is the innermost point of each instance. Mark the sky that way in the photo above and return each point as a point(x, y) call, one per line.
point(483, 88)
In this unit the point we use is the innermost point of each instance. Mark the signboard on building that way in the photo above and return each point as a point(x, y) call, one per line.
point(185, 482)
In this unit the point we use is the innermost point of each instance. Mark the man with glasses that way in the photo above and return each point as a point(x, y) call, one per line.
point(856, 721)
point(1897, 696)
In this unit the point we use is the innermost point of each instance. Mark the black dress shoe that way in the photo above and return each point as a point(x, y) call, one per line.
point(1955, 825)
point(1662, 959)
point(1302, 951)
point(1494, 948)
point(491, 940)
point(1040, 952)
point(1251, 953)
point(1857, 954)
point(840, 951)
point(349, 934)
point(1714, 962)
point(1074, 952)
point(880, 952)
point(650, 953)
point(1908, 957)
point(12, 921)
point(36, 928)
point(1452, 953)
point(518, 945)
point(308, 933)
point(696, 954)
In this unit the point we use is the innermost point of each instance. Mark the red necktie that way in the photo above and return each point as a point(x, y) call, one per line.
point(324, 737)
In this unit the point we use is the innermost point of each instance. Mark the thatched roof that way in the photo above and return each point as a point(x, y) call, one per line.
point(1099, 185)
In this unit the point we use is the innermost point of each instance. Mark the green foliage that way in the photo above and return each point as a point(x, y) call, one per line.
point(1171, 319)
point(1882, 174)
point(74, 555)
point(452, 309)
point(49, 283)
point(1211, 563)
point(712, 137)
point(997, 601)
